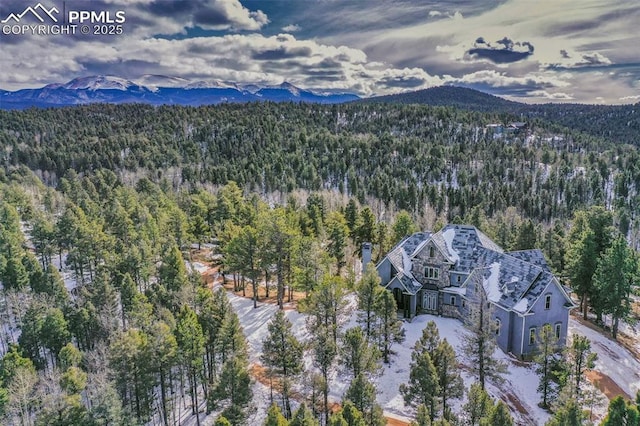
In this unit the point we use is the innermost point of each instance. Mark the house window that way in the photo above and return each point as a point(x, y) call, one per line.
point(532, 335)
point(558, 330)
point(458, 278)
point(547, 301)
point(453, 300)
point(432, 252)
point(432, 273)
point(498, 324)
point(464, 303)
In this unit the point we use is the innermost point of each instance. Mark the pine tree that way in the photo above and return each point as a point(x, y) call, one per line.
point(325, 351)
point(545, 359)
point(362, 393)
point(500, 415)
point(275, 417)
point(568, 414)
point(615, 276)
point(479, 344)
point(423, 386)
point(478, 405)
point(449, 379)
point(422, 417)
point(303, 417)
point(337, 233)
point(353, 416)
point(233, 388)
point(403, 226)
point(621, 413)
point(222, 421)
point(369, 292)
point(190, 344)
point(579, 358)
point(429, 340)
point(389, 328)
point(282, 355)
point(357, 355)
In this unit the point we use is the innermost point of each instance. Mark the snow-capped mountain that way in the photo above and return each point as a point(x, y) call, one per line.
point(160, 90)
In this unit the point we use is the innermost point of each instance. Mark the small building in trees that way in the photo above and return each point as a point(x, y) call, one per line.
point(441, 273)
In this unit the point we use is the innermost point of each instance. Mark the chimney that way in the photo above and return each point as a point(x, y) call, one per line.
point(366, 255)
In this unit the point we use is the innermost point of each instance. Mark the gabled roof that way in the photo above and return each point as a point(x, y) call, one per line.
point(461, 243)
point(534, 256)
point(400, 257)
point(513, 281)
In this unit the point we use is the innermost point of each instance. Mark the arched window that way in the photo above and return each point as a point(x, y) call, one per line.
point(432, 252)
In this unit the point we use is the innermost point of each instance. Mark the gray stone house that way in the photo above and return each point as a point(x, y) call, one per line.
point(440, 273)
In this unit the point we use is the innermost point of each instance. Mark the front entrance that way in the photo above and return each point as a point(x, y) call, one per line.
point(430, 301)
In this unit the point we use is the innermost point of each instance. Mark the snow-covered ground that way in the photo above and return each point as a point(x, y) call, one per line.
point(519, 387)
point(613, 359)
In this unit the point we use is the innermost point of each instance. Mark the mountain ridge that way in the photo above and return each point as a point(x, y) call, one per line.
point(160, 90)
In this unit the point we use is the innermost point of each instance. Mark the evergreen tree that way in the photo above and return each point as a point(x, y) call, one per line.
point(449, 379)
point(568, 414)
point(615, 276)
point(545, 359)
point(337, 233)
point(357, 355)
point(282, 355)
point(479, 344)
point(590, 236)
point(621, 413)
point(190, 343)
point(579, 358)
point(275, 417)
point(422, 417)
point(369, 292)
point(325, 351)
point(500, 415)
point(362, 393)
point(353, 416)
point(423, 386)
point(389, 327)
point(222, 421)
point(478, 405)
point(303, 417)
point(403, 226)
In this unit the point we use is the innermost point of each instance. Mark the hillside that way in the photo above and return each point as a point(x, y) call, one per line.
point(615, 123)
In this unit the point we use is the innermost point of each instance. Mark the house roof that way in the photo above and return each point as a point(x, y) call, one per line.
point(513, 281)
point(461, 244)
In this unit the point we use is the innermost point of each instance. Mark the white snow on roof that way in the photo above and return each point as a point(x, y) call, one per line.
point(448, 236)
point(492, 284)
point(521, 306)
point(406, 262)
point(515, 279)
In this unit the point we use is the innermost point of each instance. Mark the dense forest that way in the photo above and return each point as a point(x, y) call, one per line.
point(614, 123)
point(416, 158)
point(105, 210)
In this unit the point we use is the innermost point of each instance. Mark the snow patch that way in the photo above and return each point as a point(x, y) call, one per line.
point(521, 306)
point(448, 236)
point(492, 284)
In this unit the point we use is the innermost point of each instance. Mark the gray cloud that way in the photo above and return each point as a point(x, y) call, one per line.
point(503, 51)
point(282, 53)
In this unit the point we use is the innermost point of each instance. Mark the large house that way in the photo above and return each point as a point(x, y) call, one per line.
point(441, 273)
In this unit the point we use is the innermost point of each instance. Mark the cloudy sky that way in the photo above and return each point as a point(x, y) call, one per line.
point(527, 50)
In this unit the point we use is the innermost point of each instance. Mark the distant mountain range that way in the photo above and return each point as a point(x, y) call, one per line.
point(616, 123)
point(160, 90)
